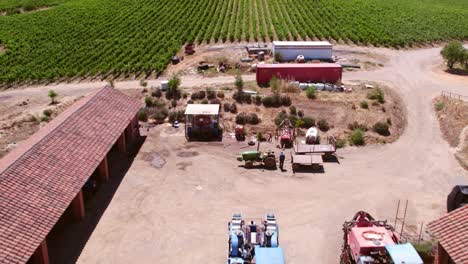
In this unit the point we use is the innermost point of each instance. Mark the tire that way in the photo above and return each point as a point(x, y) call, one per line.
point(296, 166)
point(249, 164)
point(269, 163)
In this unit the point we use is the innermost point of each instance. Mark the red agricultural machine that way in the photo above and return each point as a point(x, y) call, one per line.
point(285, 133)
point(190, 48)
point(239, 132)
point(370, 241)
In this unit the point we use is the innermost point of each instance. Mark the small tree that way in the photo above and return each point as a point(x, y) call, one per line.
point(173, 87)
point(149, 101)
point(278, 57)
point(311, 92)
point(275, 85)
point(52, 95)
point(357, 137)
point(239, 83)
point(453, 53)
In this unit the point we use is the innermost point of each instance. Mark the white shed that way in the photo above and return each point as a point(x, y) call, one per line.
point(312, 50)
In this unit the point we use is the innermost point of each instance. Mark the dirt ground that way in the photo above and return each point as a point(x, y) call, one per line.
point(174, 203)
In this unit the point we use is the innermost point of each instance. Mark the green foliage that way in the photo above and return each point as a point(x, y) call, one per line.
point(204, 101)
point(311, 92)
point(142, 116)
point(239, 83)
point(259, 136)
point(278, 57)
point(308, 122)
point(173, 91)
point(425, 249)
point(299, 123)
point(233, 108)
point(227, 107)
point(341, 143)
point(143, 83)
point(355, 125)
point(292, 110)
point(210, 94)
point(439, 106)
point(149, 101)
point(45, 119)
point(157, 93)
point(364, 105)
point(243, 118)
point(323, 125)
point(300, 113)
point(48, 112)
point(377, 95)
point(176, 115)
point(118, 38)
point(381, 128)
point(280, 117)
point(452, 53)
point(258, 100)
point(52, 95)
point(275, 85)
point(220, 94)
point(356, 137)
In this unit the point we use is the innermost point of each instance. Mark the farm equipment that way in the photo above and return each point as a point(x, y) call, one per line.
point(312, 136)
point(267, 158)
point(457, 198)
point(190, 48)
point(285, 133)
point(251, 242)
point(370, 241)
point(239, 132)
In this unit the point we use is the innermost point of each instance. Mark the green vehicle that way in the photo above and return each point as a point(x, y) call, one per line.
point(267, 158)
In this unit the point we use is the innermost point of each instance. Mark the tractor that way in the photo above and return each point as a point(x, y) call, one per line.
point(370, 241)
point(239, 132)
point(285, 133)
point(251, 242)
point(267, 158)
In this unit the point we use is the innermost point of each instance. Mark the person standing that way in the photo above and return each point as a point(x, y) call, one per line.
point(282, 157)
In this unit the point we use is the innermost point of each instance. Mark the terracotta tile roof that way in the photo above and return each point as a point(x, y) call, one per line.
point(451, 231)
point(40, 178)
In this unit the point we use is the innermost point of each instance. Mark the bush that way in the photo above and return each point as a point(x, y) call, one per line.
point(280, 117)
point(176, 115)
point(160, 114)
point(258, 100)
point(48, 112)
point(357, 137)
point(340, 143)
point(45, 119)
point(267, 101)
point(233, 108)
point(299, 123)
point(381, 128)
point(311, 92)
point(142, 116)
point(173, 103)
point(247, 98)
point(159, 103)
point(278, 57)
point(215, 101)
point(204, 101)
point(149, 101)
point(424, 250)
point(452, 53)
point(227, 107)
point(143, 83)
point(308, 122)
point(292, 110)
point(239, 83)
point(293, 119)
point(439, 106)
point(190, 101)
point(364, 105)
point(242, 118)
point(355, 125)
point(323, 125)
point(185, 95)
point(157, 93)
point(210, 94)
point(220, 94)
point(275, 85)
point(260, 136)
point(377, 95)
point(300, 113)
point(173, 87)
point(285, 100)
point(253, 119)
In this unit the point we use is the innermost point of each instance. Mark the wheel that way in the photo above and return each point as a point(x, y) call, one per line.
point(249, 164)
point(270, 163)
point(316, 167)
point(296, 166)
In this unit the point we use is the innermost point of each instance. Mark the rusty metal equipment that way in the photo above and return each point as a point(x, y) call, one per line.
point(267, 158)
point(190, 48)
point(285, 133)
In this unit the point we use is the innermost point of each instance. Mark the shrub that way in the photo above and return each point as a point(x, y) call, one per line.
point(176, 115)
point(341, 143)
point(424, 249)
point(364, 105)
point(239, 83)
point(52, 95)
point(355, 125)
point(242, 118)
point(190, 101)
point(157, 93)
point(142, 116)
point(323, 125)
point(215, 101)
point(201, 95)
point(381, 128)
point(299, 123)
point(45, 119)
point(210, 94)
point(253, 119)
point(308, 122)
point(48, 112)
point(260, 136)
point(356, 137)
point(311, 92)
point(233, 108)
point(452, 53)
point(267, 101)
point(292, 110)
point(160, 114)
point(227, 107)
point(220, 94)
point(173, 87)
point(258, 100)
point(278, 57)
point(204, 101)
point(247, 98)
point(185, 95)
point(159, 103)
point(439, 106)
point(285, 100)
point(300, 113)
point(377, 95)
point(143, 83)
point(293, 119)
point(280, 117)
point(173, 103)
point(275, 85)
point(148, 101)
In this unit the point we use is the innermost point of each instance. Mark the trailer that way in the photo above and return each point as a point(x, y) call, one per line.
point(313, 160)
point(310, 50)
point(323, 149)
point(304, 73)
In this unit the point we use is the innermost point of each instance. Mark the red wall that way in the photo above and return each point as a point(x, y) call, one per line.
point(306, 73)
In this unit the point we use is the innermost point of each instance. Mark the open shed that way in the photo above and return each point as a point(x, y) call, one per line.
point(202, 121)
point(311, 50)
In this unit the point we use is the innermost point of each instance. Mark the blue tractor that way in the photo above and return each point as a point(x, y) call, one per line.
point(254, 242)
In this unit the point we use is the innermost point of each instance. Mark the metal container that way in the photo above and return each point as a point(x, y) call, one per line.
point(164, 85)
point(304, 73)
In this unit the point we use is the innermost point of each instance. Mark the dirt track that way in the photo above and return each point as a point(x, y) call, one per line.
point(178, 213)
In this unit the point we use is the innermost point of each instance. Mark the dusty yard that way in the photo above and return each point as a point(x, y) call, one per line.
point(453, 117)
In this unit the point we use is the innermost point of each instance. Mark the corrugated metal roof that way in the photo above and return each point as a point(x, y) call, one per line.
point(265, 255)
point(41, 177)
point(451, 231)
point(404, 254)
point(300, 65)
point(310, 44)
point(202, 109)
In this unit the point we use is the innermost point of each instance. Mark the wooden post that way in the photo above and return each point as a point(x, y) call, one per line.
point(78, 206)
point(41, 255)
point(121, 143)
point(103, 170)
point(442, 255)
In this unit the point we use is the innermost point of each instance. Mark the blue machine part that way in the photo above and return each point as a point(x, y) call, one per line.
point(403, 254)
point(234, 245)
point(271, 255)
point(274, 240)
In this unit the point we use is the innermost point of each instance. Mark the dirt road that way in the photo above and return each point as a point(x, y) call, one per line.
point(178, 213)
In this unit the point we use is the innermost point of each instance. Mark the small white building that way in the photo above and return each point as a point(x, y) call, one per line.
point(312, 50)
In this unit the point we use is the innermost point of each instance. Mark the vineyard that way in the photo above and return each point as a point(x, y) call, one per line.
point(81, 38)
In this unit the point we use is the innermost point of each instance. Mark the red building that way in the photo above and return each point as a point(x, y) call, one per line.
point(307, 73)
point(45, 174)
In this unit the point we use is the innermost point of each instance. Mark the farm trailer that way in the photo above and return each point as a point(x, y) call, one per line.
point(311, 50)
point(311, 155)
point(304, 73)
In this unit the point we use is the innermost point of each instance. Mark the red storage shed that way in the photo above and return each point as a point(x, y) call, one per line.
point(315, 72)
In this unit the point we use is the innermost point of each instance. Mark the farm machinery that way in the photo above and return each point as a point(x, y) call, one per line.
point(267, 158)
point(190, 48)
point(251, 242)
point(370, 241)
point(285, 133)
point(239, 132)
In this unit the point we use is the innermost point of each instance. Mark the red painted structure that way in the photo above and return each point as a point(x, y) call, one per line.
point(313, 72)
point(46, 173)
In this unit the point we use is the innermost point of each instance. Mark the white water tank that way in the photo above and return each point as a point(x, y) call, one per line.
point(164, 85)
